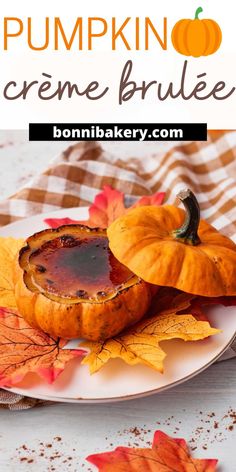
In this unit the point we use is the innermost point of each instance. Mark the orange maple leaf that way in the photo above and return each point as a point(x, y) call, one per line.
point(170, 299)
point(225, 301)
point(108, 205)
point(166, 455)
point(24, 349)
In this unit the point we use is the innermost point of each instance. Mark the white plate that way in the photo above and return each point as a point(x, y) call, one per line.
point(118, 381)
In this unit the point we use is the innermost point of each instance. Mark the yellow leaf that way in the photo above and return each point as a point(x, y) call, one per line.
point(101, 353)
point(170, 325)
point(9, 247)
point(140, 344)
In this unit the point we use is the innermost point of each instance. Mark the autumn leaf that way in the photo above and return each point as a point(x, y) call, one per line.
point(108, 205)
point(169, 300)
point(140, 344)
point(56, 222)
point(225, 301)
point(198, 312)
point(24, 349)
point(197, 305)
point(9, 247)
point(155, 199)
point(166, 455)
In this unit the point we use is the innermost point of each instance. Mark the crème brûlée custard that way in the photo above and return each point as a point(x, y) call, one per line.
point(69, 284)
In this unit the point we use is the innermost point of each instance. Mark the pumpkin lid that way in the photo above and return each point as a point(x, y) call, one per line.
point(73, 264)
point(169, 247)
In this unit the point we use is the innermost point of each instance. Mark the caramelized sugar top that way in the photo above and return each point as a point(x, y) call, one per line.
point(72, 267)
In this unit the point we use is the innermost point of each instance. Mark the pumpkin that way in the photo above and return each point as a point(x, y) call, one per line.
point(168, 247)
point(196, 37)
point(68, 284)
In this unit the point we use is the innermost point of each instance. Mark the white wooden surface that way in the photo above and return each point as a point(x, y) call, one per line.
point(85, 429)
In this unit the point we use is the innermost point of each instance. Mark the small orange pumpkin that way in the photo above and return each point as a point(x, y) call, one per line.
point(166, 247)
point(196, 37)
point(68, 284)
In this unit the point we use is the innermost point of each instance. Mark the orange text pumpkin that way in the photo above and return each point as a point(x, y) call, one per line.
point(167, 247)
point(196, 37)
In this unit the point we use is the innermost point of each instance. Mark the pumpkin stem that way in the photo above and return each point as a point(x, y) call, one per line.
point(198, 11)
point(187, 233)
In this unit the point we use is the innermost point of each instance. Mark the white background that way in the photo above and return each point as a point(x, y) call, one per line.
point(104, 65)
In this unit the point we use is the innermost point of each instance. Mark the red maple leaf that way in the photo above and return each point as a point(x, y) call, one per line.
point(108, 205)
point(166, 455)
point(225, 301)
point(24, 349)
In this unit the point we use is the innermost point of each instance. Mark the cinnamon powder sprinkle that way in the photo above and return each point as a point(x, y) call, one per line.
point(210, 429)
point(202, 436)
point(48, 456)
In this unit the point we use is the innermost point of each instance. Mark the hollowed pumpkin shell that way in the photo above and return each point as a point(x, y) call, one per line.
point(69, 284)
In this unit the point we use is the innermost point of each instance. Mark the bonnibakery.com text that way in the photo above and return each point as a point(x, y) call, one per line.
point(118, 131)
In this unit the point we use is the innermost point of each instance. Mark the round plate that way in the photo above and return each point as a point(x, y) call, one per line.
point(118, 381)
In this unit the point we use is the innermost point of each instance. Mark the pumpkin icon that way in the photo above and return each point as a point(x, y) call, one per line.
point(196, 37)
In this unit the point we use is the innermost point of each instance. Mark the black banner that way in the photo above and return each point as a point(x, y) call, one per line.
point(118, 131)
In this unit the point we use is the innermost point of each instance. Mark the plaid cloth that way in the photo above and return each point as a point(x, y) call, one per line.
point(80, 172)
